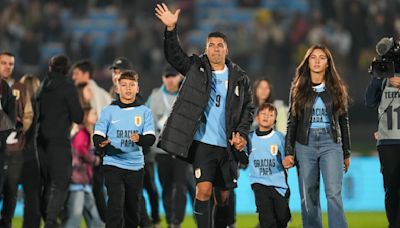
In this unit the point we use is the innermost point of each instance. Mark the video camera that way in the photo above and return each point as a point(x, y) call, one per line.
point(388, 61)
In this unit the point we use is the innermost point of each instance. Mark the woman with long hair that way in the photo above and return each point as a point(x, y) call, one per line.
point(318, 135)
point(30, 169)
point(263, 92)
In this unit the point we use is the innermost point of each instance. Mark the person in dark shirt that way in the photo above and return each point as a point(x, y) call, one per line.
point(13, 159)
point(59, 107)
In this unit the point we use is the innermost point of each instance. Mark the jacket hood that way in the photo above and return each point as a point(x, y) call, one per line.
point(122, 105)
point(54, 80)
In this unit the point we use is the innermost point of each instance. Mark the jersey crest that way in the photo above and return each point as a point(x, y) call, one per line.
point(138, 121)
point(274, 149)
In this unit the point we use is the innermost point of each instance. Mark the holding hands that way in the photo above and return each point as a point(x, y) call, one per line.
point(166, 16)
point(288, 162)
point(237, 141)
point(346, 164)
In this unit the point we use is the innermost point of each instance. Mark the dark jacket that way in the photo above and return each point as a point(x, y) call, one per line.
point(8, 107)
point(374, 92)
point(59, 107)
point(19, 92)
point(30, 151)
point(298, 126)
point(7, 100)
point(179, 130)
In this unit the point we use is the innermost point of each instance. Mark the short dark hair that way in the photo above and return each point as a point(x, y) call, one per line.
point(218, 35)
point(269, 107)
point(85, 66)
point(59, 64)
point(169, 71)
point(7, 53)
point(130, 75)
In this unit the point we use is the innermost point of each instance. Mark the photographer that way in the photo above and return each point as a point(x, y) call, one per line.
point(383, 93)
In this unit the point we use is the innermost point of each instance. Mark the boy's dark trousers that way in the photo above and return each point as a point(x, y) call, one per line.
point(390, 167)
point(124, 188)
point(273, 208)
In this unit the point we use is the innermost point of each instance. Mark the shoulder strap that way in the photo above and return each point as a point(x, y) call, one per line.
point(383, 85)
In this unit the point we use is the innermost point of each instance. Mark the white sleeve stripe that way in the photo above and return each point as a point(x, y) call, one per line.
point(99, 133)
point(149, 133)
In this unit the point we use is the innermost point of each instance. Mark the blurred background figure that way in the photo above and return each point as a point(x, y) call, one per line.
point(83, 72)
point(30, 177)
point(171, 170)
point(13, 159)
point(59, 107)
point(268, 40)
point(263, 93)
point(80, 202)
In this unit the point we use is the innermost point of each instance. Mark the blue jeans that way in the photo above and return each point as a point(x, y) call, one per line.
point(323, 155)
point(82, 203)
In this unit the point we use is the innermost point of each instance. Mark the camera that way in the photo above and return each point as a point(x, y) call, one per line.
point(388, 61)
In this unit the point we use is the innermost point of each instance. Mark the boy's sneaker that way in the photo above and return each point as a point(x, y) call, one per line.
point(232, 225)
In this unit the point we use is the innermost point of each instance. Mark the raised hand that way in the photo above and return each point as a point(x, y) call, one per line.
point(166, 16)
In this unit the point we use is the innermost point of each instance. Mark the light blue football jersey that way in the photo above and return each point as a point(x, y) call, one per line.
point(265, 161)
point(117, 124)
point(212, 128)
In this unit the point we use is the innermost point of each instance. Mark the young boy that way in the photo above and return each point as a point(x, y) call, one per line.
point(267, 175)
point(123, 128)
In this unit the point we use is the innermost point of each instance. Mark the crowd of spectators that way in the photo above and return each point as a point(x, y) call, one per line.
point(269, 41)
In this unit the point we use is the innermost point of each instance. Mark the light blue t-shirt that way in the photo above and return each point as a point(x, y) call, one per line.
point(118, 124)
point(319, 117)
point(265, 161)
point(211, 129)
point(80, 187)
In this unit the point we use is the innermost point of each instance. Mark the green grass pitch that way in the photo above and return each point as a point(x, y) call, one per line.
point(354, 219)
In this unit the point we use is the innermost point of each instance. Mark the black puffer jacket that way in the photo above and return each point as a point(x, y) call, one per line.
point(193, 97)
point(298, 126)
